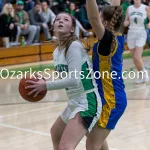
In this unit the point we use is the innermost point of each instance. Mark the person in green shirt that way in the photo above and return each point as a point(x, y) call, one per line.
point(23, 24)
point(73, 11)
point(125, 4)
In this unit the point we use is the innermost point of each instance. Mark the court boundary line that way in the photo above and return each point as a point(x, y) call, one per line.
point(130, 90)
point(23, 129)
point(134, 89)
point(24, 112)
point(29, 131)
point(41, 133)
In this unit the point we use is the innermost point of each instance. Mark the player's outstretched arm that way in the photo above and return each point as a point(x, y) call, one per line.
point(127, 22)
point(94, 18)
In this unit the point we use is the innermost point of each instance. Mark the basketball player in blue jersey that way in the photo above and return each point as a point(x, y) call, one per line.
point(107, 57)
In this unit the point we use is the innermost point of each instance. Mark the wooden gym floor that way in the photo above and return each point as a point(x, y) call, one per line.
point(25, 126)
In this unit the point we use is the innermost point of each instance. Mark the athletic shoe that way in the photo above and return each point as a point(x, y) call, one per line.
point(140, 79)
point(145, 76)
point(54, 38)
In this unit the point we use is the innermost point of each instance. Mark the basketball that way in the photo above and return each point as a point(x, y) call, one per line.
point(24, 92)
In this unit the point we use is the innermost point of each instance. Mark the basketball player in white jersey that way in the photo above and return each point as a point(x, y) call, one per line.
point(136, 18)
point(84, 105)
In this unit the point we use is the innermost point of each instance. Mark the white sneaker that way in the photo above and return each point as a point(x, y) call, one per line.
point(139, 81)
point(140, 78)
point(17, 43)
point(146, 80)
point(12, 43)
point(54, 38)
point(35, 44)
point(145, 76)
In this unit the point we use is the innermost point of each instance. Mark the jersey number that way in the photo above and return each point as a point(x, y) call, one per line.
point(135, 20)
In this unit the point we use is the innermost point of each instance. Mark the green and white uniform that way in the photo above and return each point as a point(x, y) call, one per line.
point(137, 34)
point(79, 83)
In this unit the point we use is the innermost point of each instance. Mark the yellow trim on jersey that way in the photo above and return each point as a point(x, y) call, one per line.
point(96, 41)
point(118, 34)
point(108, 89)
point(105, 70)
point(104, 117)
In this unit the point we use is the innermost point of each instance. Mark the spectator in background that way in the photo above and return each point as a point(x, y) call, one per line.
point(145, 2)
point(37, 19)
point(72, 10)
point(23, 23)
point(132, 2)
point(80, 2)
point(7, 26)
point(125, 4)
point(50, 3)
point(28, 5)
point(83, 18)
point(48, 15)
point(1, 5)
point(59, 6)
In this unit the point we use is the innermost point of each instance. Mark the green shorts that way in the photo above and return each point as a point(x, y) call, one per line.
point(88, 105)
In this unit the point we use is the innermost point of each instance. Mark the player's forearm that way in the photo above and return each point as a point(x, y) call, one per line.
point(94, 18)
point(127, 22)
point(62, 84)
point(92, 11)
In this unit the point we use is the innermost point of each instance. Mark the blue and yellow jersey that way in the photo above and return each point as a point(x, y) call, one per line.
point(111, 89)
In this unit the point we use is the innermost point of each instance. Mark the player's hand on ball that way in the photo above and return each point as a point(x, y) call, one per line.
point(36, 86)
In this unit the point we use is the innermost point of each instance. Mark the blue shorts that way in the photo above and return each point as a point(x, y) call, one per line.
point(110, 116)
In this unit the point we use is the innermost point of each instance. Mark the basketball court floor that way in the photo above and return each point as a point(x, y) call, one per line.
point(26, 126)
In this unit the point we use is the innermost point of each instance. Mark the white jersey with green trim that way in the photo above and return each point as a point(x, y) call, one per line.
point(137, 17)
point(75, 71)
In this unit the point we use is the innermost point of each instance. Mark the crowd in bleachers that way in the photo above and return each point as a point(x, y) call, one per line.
point(31, 17)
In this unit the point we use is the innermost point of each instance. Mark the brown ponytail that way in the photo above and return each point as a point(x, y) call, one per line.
point(116, 19)
point(113, 14)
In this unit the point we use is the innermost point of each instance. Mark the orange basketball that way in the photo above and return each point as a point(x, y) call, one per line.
point(24, 92)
